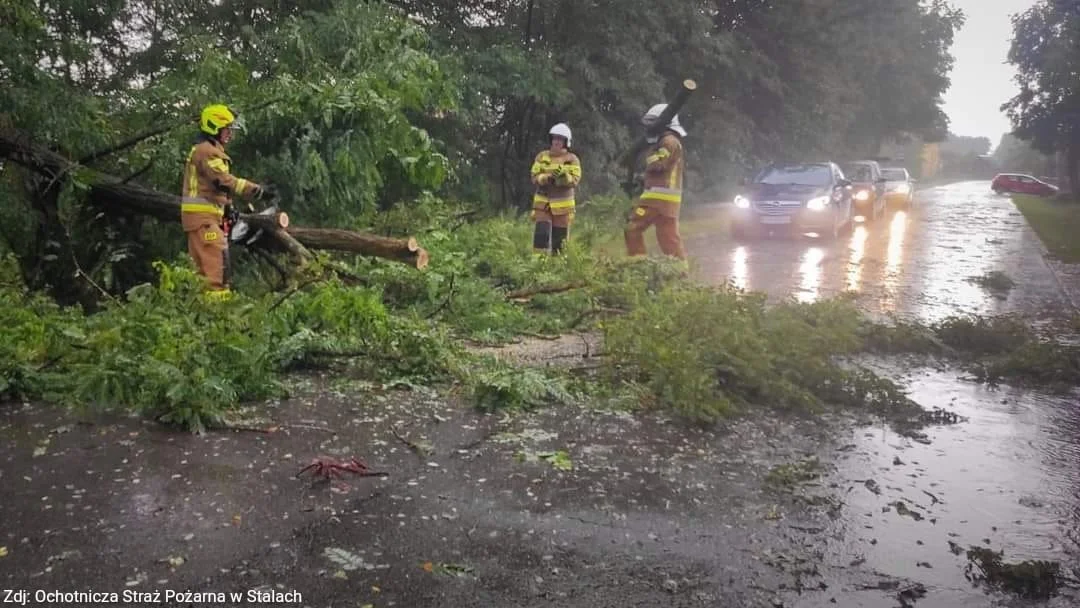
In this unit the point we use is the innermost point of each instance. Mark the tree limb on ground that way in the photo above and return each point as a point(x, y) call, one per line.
point(527, 293)
point(111, 194)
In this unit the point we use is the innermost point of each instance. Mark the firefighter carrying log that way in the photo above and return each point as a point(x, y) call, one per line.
point(206, 208)
point(659, 203)
point(555, 173)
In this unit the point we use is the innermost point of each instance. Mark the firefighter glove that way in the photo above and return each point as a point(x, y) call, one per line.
point(268, 192)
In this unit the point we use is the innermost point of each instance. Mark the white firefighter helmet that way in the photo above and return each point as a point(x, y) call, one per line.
point(563, 131)
point(654, 112)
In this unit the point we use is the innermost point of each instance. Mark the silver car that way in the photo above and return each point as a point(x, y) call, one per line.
point(899, 187)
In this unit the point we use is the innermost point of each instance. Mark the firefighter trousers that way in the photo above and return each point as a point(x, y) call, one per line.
point(208, 247)
point(551, 230)
point(667, 232)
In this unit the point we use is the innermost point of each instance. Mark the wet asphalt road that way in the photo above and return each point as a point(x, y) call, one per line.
point(648, 513)
point(911, 263)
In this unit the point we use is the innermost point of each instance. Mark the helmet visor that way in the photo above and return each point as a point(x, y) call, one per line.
point(238, 124)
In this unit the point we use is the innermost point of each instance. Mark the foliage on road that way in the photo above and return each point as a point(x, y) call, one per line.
point(1057, 224)
point(996, 282)
point(994, 350)
point(1032, 579)
point(708, 353)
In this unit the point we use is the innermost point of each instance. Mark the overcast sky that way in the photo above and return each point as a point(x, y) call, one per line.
point(981, 78)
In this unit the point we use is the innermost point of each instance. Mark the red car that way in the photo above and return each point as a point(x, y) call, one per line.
point(1022, 184)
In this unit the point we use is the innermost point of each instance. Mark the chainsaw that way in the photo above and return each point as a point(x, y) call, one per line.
point(240, 232)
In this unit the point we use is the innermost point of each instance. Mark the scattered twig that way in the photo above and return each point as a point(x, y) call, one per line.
point(447, 302)
point(595, 311)
point(462, 218)
point(527, 293)
point(540, 336)
point(311, 427)
point(240, 428)
point(80, 273)
point(932, 497)
point(348, 274)
point(293, 291)
point(416, 449)
point(265, 256)
point(339, 354)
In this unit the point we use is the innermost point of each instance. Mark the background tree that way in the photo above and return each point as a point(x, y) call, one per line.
point(1018, 156)
point(356, 107)
point(1046, 53)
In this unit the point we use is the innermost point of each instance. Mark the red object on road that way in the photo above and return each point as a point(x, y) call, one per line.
point(329, 468)
point(1019, 183)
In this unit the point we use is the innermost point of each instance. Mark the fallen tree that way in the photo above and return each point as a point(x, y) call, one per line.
point(114, 195)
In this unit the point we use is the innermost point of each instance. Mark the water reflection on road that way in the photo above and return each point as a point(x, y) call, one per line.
point(1008, 477)
point(917, 262)
point(858, 250)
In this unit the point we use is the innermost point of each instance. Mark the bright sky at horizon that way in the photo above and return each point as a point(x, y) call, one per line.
point(981, 78)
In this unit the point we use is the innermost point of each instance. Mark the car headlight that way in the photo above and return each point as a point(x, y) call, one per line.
point(903, 188)
point(817, 204)
point(742, 202)
point(862, 195)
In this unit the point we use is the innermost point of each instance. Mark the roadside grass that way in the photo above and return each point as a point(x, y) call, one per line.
point(1057, 224)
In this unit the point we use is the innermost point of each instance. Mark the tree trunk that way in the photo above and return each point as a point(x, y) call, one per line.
point(406, 251)
point(112, 196)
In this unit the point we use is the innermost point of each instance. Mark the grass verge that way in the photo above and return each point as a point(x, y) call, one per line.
point(1056, 223)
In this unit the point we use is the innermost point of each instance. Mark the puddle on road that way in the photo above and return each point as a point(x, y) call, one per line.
point(1007, 476)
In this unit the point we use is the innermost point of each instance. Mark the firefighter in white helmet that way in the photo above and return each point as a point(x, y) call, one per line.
point(661, 200)
point(556, 172)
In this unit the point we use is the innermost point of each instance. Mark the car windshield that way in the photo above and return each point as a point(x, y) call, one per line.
point(894, 175)
point(858, 173)
point(796, 175)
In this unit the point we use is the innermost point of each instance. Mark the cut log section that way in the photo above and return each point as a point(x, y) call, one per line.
point(111, 195)
point(406, 251)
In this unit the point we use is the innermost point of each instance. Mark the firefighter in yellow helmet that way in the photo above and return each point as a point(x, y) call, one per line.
point(660, 202)
point(206, 198)
point(555, 173)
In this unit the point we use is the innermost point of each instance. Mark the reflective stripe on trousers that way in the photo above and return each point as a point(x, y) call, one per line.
point(199, 205)
point(669, 195)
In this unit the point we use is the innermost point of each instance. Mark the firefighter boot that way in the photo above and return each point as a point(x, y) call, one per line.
point(558, 237)
point(542, 237)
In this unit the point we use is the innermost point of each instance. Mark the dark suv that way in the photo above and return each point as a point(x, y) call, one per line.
point(806, 197)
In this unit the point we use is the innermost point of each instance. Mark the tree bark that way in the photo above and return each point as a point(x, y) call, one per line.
point(406, 251)
point(112, 195)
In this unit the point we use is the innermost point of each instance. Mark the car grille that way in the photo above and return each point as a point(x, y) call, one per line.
point(777, 207)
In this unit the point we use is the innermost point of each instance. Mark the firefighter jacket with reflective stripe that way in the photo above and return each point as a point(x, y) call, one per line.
point(555, 192)
point(208, 183)
point(664, 168)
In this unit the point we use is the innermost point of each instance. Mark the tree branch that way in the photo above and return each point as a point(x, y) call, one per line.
point(130, 142)
point(137, 139)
